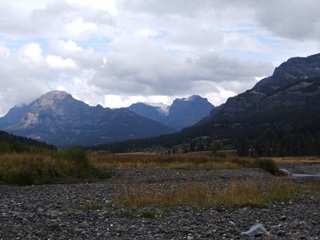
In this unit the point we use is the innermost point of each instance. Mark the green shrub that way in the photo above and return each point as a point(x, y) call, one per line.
point(268, 165)
point(75, 154)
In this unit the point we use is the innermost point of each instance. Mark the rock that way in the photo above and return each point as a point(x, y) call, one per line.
point(315, 231)
point(21, 218)
point(283, 218)
point(255, 230)
point(281, 233)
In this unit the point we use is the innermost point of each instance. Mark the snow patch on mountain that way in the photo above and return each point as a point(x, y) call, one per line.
point(161, 107)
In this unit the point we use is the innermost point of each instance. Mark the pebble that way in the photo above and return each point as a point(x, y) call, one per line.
point(58, 211)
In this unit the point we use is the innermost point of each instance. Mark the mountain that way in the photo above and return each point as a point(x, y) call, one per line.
point(59, 119)
point(17, 112)
point(293, 84)
point(182, 113)
point(156, 112)
point(280, 115)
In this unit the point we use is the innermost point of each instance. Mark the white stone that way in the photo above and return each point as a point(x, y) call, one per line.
point(255, 230)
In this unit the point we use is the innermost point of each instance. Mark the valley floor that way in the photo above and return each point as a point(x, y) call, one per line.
point(86, 211)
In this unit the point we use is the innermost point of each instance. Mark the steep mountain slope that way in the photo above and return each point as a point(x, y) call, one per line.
point(182, 113)
point(14, 114)
point(292, 86)
point(58, 118)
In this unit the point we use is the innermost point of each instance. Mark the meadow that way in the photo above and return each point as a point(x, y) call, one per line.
point(181, 161)
point(37, 166)
point(75, 165)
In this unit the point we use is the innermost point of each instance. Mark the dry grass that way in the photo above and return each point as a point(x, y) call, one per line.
point(159, 161)
point(31, 168)
point(180, 161)
point(244, 193)
point(300, 159)
point(46, 167)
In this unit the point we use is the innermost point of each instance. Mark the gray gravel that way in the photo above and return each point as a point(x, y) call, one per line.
point(85, 211)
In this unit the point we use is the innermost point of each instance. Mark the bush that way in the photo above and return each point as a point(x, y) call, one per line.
point(75, 154)
point(82, 166)
point(268, 165)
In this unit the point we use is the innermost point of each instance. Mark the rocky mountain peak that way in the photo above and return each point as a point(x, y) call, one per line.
point(183, 112)
point(51, 98)
point(293, 70)
point(190, 102)
point(193, 98)
point(293, 83)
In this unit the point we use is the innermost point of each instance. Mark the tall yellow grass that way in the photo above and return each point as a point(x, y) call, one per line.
point(45, 167)
point(243, 193)
point(300, 159)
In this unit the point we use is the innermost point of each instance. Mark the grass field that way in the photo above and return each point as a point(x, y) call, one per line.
point(236, 193)
point(74, 163)
point(180, 161)
point(300, 159)
point(48, 167)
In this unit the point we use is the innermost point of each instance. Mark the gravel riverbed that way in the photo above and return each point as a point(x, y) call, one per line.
point(85, 211)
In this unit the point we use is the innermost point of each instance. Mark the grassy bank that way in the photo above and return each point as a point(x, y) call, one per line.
point(181, 161)
point(300, 159)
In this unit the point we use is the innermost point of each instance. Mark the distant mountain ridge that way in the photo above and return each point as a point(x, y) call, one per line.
point(182, 113)
point(57, 118)
point(280, 115)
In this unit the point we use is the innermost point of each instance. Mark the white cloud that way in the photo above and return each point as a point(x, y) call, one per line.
point(108, 5)
point(31, 53)
point(68, 46)
point(56, 62)
point(78, 28)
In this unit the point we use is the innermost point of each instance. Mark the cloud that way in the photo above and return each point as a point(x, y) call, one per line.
point(57, 19)
point(294, 19)
point(84, 58)
point(31, 54)
point(29, 71)
point(79, 28)
point(187, 8)
point(21, 75)
point(56, 62)
point(141, 66)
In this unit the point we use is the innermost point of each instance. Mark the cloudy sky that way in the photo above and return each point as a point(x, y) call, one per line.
point(115, 52)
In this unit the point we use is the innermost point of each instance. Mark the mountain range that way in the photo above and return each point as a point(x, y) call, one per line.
point(183, 112)
point(57, 118)
point(281, 113)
